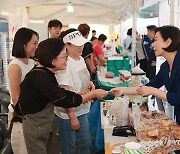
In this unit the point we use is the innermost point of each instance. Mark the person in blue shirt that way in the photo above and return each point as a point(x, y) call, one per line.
point(166, 44)
point(149, 63)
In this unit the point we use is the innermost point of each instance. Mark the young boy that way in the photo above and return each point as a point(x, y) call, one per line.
point(54, 28)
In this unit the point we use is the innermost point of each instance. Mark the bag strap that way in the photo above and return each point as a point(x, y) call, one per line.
point(13, 120)
point(10, 128)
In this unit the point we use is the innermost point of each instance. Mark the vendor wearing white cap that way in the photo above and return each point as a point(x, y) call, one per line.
point(73, 122)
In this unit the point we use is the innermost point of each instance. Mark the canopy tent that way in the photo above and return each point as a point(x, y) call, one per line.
point(89, 11)
point(85, 11)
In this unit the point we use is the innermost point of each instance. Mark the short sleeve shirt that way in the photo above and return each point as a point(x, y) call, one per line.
point(97, 50)
point(87, 50)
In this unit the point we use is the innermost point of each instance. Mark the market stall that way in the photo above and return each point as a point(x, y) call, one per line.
point(153, 129)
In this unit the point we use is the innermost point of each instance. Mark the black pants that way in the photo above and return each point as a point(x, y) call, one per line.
point(151, 70)
point(143, 65)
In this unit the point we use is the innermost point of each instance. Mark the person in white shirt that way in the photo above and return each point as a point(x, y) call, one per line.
point(24, 46)
point(128, 39)
point(73, 122)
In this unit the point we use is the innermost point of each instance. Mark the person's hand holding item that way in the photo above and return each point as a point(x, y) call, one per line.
point(100, 93)
point(124, 90)
point(117, 92)
point(145, 91)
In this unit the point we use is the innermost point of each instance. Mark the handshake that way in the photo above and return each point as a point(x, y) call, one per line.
point(98, 93)
point(142, 90)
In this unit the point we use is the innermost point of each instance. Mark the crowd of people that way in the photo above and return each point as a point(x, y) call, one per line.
point(50, 83)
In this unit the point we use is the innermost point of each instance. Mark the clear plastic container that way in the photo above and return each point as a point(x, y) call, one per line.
point(135, 81)
point(136, 115)
point(119, 111)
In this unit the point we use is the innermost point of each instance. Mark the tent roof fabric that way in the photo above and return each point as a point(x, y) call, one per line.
point(85, 11)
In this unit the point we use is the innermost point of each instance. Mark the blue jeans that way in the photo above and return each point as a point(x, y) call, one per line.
point(69, 137)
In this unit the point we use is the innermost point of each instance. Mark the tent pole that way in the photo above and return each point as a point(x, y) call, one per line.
point(133, 62)
point(173, 12)
point(120, 33)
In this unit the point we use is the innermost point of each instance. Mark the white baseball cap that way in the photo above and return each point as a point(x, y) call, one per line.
point(75, 38)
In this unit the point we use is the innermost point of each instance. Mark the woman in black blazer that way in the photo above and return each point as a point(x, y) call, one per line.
point(166, 44)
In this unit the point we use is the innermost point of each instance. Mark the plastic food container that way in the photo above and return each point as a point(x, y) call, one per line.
point(109, 75)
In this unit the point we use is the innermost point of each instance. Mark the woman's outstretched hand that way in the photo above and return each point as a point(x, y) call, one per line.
point(100, 93)
point(116, 92)
point(145, 90)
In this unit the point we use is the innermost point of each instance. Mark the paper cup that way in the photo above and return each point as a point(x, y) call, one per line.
point(132, 148)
